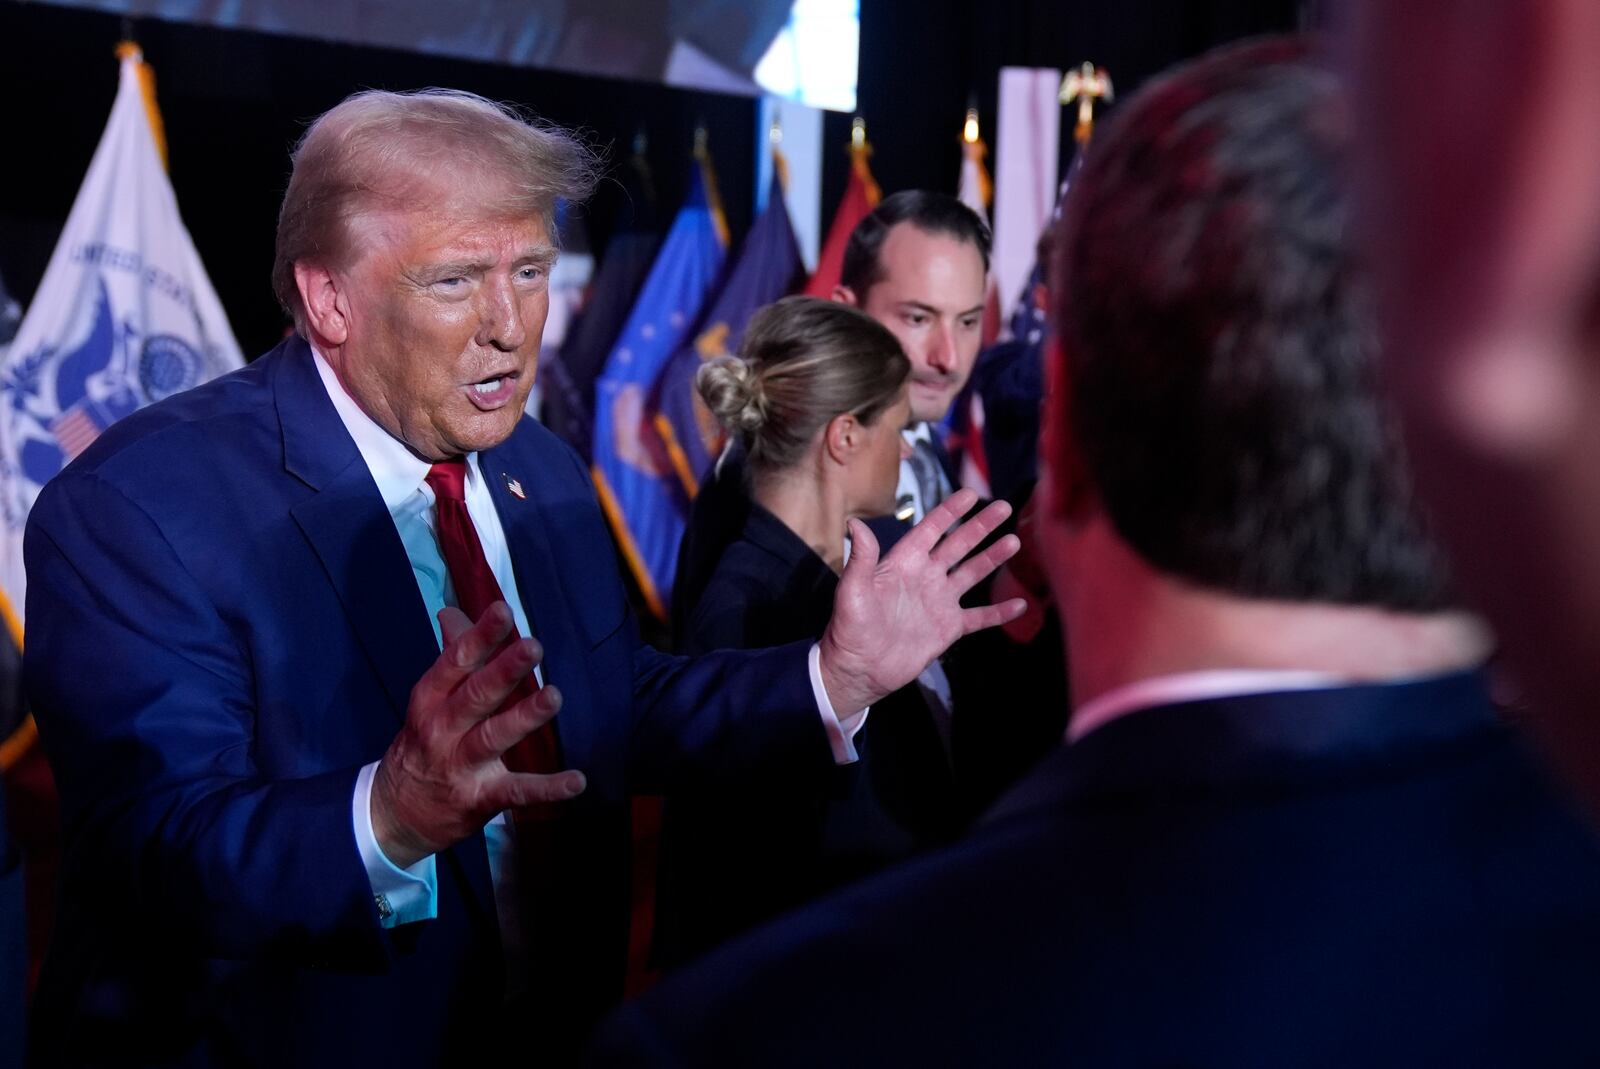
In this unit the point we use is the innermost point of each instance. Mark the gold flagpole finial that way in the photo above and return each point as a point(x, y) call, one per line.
point(969, 132)
point(129, 49)
point(779, 163)
point(1086, 85)
point(702, 139)
point(858, 132)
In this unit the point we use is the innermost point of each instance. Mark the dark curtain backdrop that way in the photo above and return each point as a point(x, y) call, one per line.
point(234, 101)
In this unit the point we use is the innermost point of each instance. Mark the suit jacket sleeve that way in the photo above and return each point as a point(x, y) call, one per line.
point(727, 717)
point(730, 717)
point(144, 701)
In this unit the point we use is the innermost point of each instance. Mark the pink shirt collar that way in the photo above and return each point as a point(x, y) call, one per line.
point(1188, 687)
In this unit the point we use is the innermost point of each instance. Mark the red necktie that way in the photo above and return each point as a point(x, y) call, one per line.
point(476, 590)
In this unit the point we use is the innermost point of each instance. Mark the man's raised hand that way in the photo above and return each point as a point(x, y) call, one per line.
point(891, 617)
point(444, 775)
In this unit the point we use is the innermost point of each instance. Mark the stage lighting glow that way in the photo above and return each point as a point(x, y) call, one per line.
point(814, 58)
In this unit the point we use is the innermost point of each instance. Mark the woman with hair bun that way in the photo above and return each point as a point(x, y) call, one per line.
point(817, 398)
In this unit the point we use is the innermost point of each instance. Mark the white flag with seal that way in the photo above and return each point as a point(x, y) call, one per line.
point(123, 316)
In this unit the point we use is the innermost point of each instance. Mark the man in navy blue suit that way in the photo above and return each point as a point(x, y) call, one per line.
point(1287, 828)
point(315, 814)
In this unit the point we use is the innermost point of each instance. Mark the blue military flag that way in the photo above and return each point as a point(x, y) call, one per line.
point(569, 379)
point(636, 486)
point(769, 267)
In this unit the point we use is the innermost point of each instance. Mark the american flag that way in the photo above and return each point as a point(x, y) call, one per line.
point(75, 429)
point(78, 427)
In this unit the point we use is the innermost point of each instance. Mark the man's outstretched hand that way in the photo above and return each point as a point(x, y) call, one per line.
point(444, 775)
point(891, 617)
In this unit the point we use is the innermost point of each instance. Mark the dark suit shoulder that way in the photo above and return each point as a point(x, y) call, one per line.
point(1438, 905)
point(185, 431)
point(767, 589)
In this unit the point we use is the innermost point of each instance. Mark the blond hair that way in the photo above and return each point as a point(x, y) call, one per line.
point(378, 149)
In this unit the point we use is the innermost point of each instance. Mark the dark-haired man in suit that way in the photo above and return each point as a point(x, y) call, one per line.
point(1286, 828)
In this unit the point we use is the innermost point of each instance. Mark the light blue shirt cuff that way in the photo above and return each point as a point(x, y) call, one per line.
point(403, 895)
point(841, 729)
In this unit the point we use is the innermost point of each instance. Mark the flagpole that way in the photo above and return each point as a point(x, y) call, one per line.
point(702, 155)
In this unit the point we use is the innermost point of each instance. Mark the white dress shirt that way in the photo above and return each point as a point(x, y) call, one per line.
point(1192, 687)
point(934, 683)
point(411, 894)
point(908, 487)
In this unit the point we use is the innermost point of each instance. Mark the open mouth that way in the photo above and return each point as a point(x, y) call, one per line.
point(492, 393)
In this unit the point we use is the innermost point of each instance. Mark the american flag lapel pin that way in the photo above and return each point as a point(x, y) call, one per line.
point(514, 486)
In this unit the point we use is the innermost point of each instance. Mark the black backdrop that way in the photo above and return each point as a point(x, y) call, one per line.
point(233, 102)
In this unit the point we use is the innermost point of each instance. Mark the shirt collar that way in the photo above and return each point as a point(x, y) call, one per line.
point(1189, 687)
point(396, 469)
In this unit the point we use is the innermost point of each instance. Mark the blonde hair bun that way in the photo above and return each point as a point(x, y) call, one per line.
point(732, 390)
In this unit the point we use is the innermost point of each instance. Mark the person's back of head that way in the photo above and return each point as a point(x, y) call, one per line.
point(1220, 347)
point(1220, 462)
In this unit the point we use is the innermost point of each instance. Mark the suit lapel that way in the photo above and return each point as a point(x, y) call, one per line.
point(366, 563)
point(347, 525)
point(527, 521)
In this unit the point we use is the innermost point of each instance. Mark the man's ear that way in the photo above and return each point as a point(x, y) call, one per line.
point(1064, 490)
point(845, 295)
point(842, 438)
point(323, 297)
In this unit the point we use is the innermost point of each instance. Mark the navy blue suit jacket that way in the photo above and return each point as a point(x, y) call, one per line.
point(223, 627)
point(1364, 876)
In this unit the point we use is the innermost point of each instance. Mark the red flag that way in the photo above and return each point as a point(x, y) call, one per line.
point(861, 195)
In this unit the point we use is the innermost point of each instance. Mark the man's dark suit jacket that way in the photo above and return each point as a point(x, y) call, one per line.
point(223, 627)
point(1365, 876)
point(730, 860)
